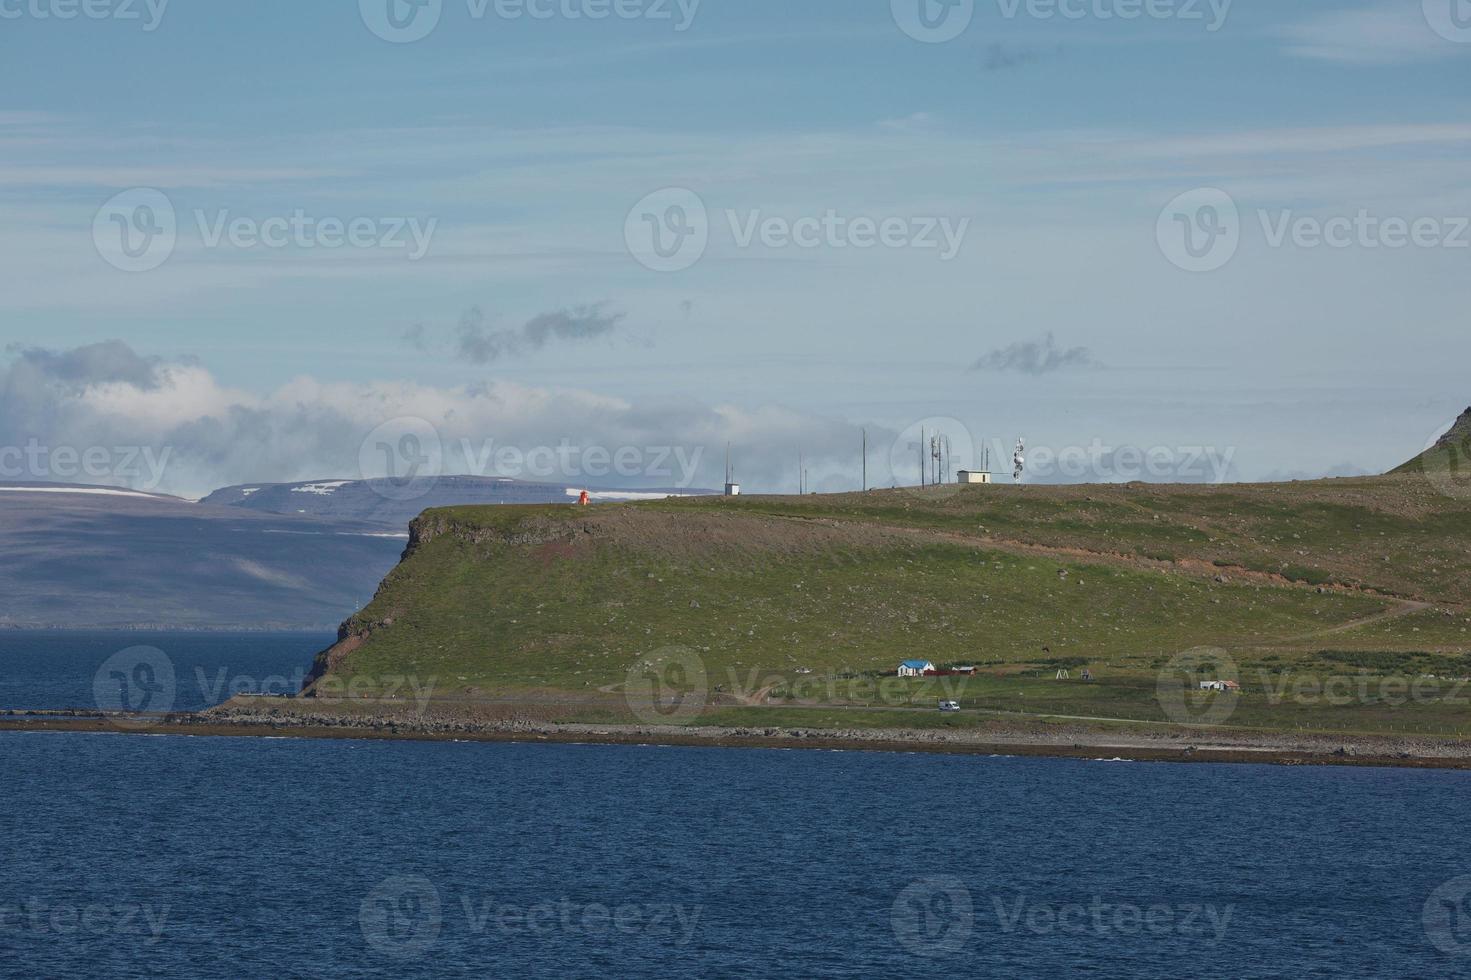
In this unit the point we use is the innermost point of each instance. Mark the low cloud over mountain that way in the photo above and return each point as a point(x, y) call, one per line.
point(107, 414)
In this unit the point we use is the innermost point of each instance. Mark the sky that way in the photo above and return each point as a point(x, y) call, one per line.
point(1187, 240)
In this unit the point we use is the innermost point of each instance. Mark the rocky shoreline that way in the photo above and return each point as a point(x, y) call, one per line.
point(293, 720)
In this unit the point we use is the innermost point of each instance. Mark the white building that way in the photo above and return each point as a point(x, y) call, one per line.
point(973, 477)
point(915, 668)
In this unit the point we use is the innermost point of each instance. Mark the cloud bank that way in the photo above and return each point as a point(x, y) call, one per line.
point(110, 401)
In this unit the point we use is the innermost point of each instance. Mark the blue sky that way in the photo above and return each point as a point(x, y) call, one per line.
point(1057, 143)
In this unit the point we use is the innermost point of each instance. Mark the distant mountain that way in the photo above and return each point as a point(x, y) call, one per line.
point(388, 505)
point(77, 556)
point(1451, 452)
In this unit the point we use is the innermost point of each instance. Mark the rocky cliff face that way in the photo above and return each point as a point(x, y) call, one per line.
point(513, 529)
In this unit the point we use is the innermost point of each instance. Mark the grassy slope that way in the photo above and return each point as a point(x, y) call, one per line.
point(526, 601)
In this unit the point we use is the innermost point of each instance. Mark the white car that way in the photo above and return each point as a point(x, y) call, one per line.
point(949, 706)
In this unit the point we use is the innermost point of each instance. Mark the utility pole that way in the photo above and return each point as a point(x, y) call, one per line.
point(865, 460)
point(923, 465)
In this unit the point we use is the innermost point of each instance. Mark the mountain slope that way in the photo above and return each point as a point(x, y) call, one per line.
point(90, 556)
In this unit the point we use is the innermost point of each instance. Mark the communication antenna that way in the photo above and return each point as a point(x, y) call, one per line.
point(865, 460)
point(732, 488)
point(1019, 460)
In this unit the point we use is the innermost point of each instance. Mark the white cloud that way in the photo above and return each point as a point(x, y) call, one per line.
point(1391, 33)
point(213, 436)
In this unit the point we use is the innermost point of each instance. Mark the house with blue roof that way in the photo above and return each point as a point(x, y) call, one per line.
point(915, 668)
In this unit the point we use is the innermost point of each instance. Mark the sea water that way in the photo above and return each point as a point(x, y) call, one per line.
point(131, 856)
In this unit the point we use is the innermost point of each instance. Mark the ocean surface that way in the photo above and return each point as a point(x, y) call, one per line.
point(164, 671)
point(131, 856)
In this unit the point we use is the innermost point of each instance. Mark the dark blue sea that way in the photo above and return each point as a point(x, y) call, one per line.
point(133, 856)
point(142, 671)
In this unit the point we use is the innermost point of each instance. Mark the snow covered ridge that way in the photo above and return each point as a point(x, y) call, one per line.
point(94, 491)
point(321, 489)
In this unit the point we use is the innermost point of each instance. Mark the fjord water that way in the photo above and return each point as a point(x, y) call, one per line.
point(58, 669)
point(222, 857)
